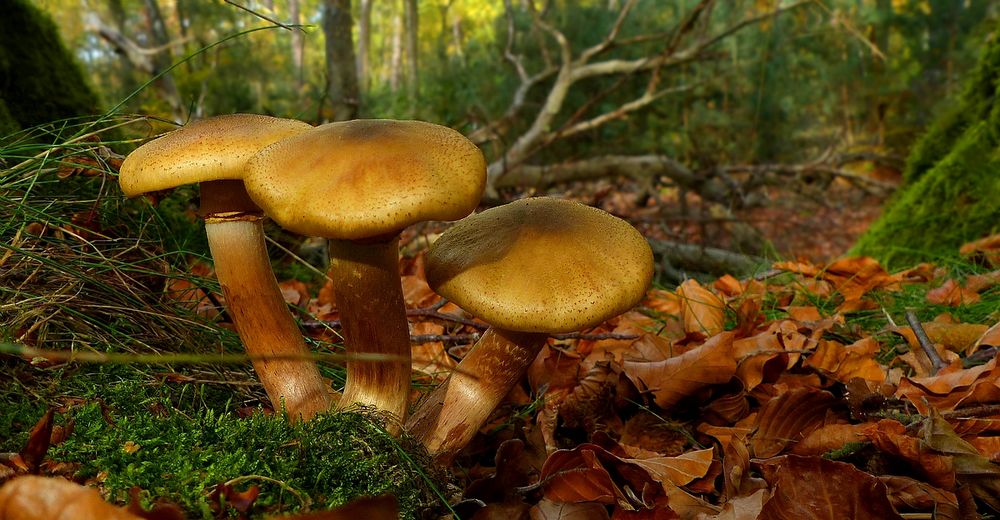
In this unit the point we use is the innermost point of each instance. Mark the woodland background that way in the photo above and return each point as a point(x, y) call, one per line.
point(731, 133)
point(727, 121)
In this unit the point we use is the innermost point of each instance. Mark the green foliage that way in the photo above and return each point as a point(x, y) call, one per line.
point(42, 83)
point(953, 203)
point(952, 185)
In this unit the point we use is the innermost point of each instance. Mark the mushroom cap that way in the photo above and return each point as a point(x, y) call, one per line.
point(541, 265)
point(361, 179)
point(210, 149)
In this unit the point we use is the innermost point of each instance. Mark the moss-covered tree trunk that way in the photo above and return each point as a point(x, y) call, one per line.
point(39, 80)
point(951, 193)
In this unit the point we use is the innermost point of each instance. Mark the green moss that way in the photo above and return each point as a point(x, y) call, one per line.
point(177, 443)
point(976, 103)
point(41, 81)
point(953, 203)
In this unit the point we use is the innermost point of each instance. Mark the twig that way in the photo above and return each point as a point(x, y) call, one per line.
point(259, 15)
point(925, 343)
point(180, 359)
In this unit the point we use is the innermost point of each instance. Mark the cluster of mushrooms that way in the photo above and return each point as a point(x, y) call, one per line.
point(530, 268)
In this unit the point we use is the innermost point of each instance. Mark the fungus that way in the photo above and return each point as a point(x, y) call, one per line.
point(531, 268)
point(359, 184)
point(213, 152)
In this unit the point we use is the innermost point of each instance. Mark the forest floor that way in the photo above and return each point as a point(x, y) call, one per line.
point(801, 391)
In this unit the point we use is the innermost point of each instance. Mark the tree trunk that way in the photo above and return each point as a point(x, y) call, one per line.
point(298, 44)
point(412, 32)
point(364, 43)
point(396, 60)
point(341, 74)
point(157, 29)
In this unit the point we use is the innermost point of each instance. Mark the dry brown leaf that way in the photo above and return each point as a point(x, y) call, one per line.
point(416, 292)
point(843, 363)
point(950, 390)
point(971, 468)
point(673, 379)
point(952, 294)
point(956, 337)
point(740, 508)
point(890, 436)
point(852, 277)
point(294, 292)
point(678, 471)
point(788, 418)
point(981, 282)
point(987, 249)
point(988, 447)
point(431, 358)
point(580, 475)
point(728, 285)
point(914, 494)
point(41, 498)
point(701, 310)
point(830, 437)
point(803, 313)
point(990, 338)
point(665, 302)
point(547, 509)
point(813, 488)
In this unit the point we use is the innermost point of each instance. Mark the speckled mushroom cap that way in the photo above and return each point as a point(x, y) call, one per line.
point(210, 149)
point(366, 178)
point(541, 265)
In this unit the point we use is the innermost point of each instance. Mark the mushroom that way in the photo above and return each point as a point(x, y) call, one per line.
point(530, 268)
point(360, 183)
point(213, 152)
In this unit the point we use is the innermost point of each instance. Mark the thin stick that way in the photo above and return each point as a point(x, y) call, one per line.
point(925, 343)
point(113, 358)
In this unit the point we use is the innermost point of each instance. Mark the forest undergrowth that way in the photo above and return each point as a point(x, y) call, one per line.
point(737, 396)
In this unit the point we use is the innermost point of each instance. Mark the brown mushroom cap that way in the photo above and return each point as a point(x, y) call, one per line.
point(211, 149)
point(366, 178)
point(541, 265)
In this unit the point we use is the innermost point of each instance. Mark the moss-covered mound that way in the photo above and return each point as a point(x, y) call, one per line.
point(178, 444)
point(40, 81)
point(951, 193)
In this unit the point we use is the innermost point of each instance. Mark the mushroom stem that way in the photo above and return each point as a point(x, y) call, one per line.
point(261, 316)
point(370, 301)
point(449, 417)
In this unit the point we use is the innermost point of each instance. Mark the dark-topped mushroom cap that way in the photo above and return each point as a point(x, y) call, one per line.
point(211, 149)
point(366, 178)
point(541, 265)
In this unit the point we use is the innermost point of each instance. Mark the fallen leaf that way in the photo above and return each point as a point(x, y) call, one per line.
point(952, 294)
point(829, 438)
point(740, 508)
point(673, 379)
point(971, 468)
point(548, 509)
point(788, 418)
point(914, 494)
point(844, 363)
point(813, 488)
point(701, 310)
point(985, 249)
point(32, 497)
point(953, 389)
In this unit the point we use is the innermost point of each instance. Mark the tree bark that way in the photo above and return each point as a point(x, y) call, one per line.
point(364, 43)
point(298, 44)
point(412, 65)
point(396, 59)
point(157, 29)
point(341, 72)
